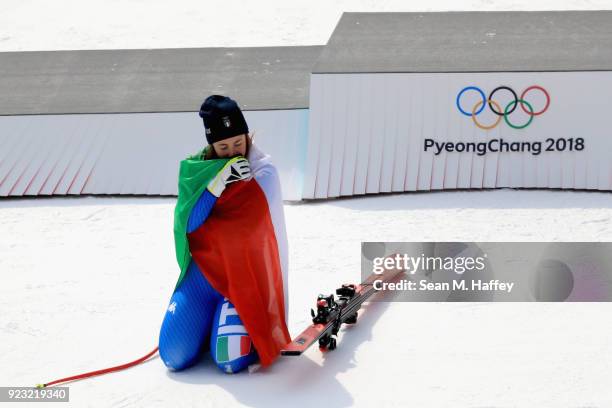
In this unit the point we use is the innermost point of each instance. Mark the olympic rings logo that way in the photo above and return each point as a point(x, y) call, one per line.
point(497, 109)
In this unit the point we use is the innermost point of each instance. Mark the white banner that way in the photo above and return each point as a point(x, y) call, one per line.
point(384, 132)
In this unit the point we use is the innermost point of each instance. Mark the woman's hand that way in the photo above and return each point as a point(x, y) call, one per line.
point(236, 169)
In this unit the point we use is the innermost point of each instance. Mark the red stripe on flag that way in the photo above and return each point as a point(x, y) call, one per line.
point(245, 345)
point(243, 210)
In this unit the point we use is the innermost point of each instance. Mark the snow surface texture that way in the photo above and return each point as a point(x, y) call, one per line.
point(87, 281)
point(37, 25)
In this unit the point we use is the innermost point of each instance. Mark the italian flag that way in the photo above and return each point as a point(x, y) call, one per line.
point(230, 348)
point(241, 248)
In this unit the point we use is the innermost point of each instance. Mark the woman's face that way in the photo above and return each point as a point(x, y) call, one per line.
point(231, 147)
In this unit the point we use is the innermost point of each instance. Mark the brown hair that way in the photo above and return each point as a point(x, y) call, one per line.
point(210, 153)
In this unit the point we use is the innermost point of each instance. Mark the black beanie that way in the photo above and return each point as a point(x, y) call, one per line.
point(222, 118)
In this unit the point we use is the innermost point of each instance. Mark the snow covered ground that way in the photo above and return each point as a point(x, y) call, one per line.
point(87, 280)
point(28, 25)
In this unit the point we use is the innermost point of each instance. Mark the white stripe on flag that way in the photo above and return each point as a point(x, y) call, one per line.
point(234, 329)
point(234, 347)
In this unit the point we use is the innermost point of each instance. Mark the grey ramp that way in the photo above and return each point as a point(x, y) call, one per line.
point(469, 42)
point(154, 80)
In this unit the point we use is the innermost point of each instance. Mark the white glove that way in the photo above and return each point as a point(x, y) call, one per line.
point(235, 169)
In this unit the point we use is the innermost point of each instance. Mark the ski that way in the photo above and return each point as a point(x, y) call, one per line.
point(334, 311)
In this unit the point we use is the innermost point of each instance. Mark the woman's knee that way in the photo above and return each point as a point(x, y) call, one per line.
point(231, 347)
point(177, 359)
point(233, 354)
point(187, 322)
point(178, 346)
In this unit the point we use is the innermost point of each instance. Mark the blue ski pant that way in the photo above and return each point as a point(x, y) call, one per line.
point(198, 317)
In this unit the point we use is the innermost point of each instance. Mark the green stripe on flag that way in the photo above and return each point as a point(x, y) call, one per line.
point(222, 349)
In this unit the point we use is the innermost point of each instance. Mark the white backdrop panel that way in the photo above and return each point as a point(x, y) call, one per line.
point(136, 153)
point(367, 132)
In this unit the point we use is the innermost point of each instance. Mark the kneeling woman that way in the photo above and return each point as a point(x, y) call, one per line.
point(231, 246)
